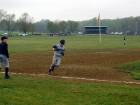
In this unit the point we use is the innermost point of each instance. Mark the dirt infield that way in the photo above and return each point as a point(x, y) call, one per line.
point(97, 64)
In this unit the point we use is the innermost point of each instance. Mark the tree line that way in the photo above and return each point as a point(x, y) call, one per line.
point(26, 24)
point(8, 22)
point(129, 25)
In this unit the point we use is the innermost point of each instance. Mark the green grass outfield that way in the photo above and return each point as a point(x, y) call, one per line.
point(24, 90)
point(43, 43)
point(27, 90)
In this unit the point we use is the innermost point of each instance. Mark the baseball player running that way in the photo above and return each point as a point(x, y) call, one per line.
point(58, 54)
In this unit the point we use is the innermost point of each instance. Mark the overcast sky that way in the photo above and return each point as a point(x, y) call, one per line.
point(72, 9)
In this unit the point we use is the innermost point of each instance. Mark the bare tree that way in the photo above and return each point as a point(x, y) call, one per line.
point(10, 22)
point(2, 14)
point(31, 25)
point(25, 23)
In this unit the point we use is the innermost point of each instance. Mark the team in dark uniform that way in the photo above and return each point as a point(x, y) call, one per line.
point(4, 56)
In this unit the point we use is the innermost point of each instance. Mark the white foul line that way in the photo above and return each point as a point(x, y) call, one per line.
point(96, 80)
point(78, 78)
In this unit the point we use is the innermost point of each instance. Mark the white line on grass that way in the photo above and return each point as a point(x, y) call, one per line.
point(78, 78)
point(96, 80)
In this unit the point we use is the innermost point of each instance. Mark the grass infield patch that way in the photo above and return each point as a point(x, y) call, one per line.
point(133, 68)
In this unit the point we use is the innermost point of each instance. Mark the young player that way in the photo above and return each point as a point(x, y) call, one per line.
point(4, 56)
point(58, 54)
point(125, 41)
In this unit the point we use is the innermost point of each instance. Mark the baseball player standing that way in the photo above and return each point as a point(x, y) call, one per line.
point(4, 56)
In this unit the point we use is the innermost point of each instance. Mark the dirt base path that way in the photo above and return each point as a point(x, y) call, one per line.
point(96, 65)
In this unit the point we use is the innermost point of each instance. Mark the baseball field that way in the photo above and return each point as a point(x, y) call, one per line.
point(84, 58)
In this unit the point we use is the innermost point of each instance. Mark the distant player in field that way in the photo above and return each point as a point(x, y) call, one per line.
point(4, 56)
point(124, 40)
point(58, 54)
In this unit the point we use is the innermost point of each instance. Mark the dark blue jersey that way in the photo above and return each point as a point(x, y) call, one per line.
point(4, 49)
